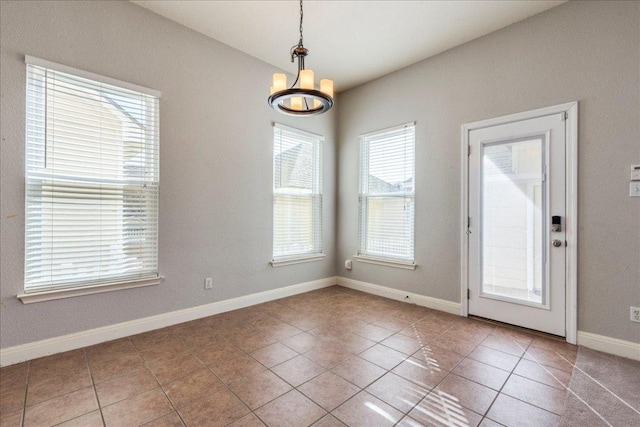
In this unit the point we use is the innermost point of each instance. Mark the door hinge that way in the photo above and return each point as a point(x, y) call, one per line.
point(565, 116)
point(468, 293)
point(468, 150)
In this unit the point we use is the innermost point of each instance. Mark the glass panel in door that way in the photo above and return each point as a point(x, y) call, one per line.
point(513, 212)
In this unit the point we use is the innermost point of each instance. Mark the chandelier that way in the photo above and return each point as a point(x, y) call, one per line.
point(303, 100)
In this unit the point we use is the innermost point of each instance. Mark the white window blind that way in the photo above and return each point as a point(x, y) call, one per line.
point(387, 193)
point(91, 180)
point(297, 193)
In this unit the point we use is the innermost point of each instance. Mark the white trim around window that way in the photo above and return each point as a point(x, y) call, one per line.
point(76, 292)
point(405, 265)
point(387, 197)
point(296, 260)
point(31, 60)
point(297, 196)
point(91, 183)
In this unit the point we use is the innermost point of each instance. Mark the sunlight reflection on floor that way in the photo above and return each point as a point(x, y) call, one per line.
point(441, 409)
point(437, 408)
point(379, 411)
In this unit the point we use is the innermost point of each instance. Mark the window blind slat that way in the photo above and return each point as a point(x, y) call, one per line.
point(92, 174)
point(387, 191)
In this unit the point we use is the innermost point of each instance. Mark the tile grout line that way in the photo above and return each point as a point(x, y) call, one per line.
point(599, 383)
point(292, 386)
point(422, 347)
point(569, 389)
point(73, 391)
point(159, 384)
point(485, 415)
point(253, 411)
point(309, 380)
point(512, 373)
point(226, 386)
point(458, 364)
point(93, 386)
point(449, 372)
point(330, 370)
point(26, 393)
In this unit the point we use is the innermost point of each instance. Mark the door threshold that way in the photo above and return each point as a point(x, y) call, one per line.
point(519, 328)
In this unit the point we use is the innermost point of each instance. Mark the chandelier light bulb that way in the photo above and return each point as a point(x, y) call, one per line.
point(306, 79)
point(279, 82)
point(296, 103)
point(326, 86)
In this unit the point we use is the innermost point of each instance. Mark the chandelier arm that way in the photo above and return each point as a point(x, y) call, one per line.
point(296, 81)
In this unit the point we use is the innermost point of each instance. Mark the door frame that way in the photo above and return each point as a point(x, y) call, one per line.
point(571, 222)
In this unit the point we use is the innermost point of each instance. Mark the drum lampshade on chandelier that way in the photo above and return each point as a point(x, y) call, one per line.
point(303, 100)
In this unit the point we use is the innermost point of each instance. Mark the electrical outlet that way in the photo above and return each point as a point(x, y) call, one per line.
point(348, 264)
point(208, 283)
point(635, 314)
point(634, 189)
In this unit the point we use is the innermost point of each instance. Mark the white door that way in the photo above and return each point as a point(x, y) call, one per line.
point(517, 252)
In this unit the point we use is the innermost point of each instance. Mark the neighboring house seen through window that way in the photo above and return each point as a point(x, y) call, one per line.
point(297, 193)
point(387, 194)
point(91, 180)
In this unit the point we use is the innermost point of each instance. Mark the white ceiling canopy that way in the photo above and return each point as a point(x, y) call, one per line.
point(350, 42)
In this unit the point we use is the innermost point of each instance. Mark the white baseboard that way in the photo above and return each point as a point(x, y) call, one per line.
point(628, 349)
point(383, 291)
point(20, 353)
point(601, 343)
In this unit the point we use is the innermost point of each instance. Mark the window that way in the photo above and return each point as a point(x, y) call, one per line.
point(91, 180)
point(297, 195)
point(387, 194)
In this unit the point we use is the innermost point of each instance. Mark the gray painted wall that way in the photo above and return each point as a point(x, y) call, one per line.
point(216, 172)
point(580, 51)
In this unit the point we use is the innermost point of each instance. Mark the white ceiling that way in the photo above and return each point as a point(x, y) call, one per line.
point(350, 42)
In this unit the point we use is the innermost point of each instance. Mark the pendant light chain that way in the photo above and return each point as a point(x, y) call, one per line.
point(301, 17)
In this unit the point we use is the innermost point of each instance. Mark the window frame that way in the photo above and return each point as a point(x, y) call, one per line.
point(316, 253)
point(83, 285)
point(363, 254)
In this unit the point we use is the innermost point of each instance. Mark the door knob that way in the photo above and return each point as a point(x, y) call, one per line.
point(556, 243)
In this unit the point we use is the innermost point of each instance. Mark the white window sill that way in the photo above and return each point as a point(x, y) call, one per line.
point(406, 265)
point(28, 298)
point(280, 262)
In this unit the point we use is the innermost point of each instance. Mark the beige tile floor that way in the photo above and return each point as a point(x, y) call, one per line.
point(330, 357)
